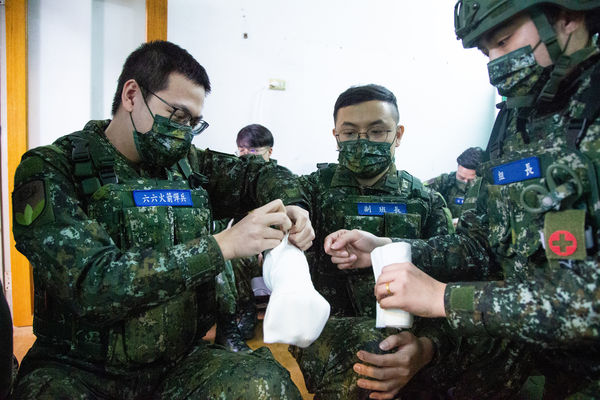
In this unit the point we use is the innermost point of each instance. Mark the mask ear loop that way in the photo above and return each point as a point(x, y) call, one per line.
point(147, 106)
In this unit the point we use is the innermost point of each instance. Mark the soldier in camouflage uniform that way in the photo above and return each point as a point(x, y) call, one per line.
point(236, 321)
point(535, 210)
point(363, 191)
point(115, 220)
point(454, 186)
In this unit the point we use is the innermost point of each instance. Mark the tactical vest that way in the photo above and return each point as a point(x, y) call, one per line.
point(138, 214)
point(543, 199)
point(400, 213)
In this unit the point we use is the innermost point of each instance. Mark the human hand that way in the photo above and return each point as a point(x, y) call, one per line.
point(352, 249)
point(302, 232)
point(411, 289)
point(391, 372)
point(255, 232)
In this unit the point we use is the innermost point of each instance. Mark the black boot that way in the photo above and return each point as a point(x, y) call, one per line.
point(228, 334)
point(247, 319)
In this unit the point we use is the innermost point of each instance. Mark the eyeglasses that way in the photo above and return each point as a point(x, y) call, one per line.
point(256, 151)
point(373, 134)
point(180, 117)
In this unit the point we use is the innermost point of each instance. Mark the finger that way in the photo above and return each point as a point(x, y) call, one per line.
point(378, 360)
point(396, 381)
point(345, 262)
point(386, 389)
point(397, 340)
point(272, 206)
point(331, 241)
point(390, 394)
point(275, 219)
point(303, 243)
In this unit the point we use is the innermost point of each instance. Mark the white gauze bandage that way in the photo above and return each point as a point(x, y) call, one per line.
point(296, 313)
point(380, 257)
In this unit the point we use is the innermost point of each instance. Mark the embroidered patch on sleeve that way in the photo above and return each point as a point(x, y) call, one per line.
point(29, 201)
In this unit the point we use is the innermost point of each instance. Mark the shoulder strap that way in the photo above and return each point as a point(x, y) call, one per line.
point(92, 168)
point(189, 168)
point(494, 146)
point(578, 127)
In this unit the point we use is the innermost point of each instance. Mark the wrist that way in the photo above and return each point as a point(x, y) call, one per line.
point(226, 250)
point(441, 308)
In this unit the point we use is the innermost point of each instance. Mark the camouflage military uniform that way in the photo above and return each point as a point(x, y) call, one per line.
point(124, 292)
point(451, 189)
point(536, 212)
point(397, 205)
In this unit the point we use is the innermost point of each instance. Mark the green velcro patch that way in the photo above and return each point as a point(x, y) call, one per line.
point(28, 168)
point(564, 233)
point(461, 298)
point(29, 201)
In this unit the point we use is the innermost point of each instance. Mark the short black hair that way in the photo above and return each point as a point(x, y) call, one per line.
point(470, 158)
point(152, 63)
point(254, 135)
point(361, 94)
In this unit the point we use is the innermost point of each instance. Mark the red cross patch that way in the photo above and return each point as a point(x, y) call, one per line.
point(562, 243)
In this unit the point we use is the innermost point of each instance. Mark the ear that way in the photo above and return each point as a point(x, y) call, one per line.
point(399, 133)
point(333, 132)
point(129, 95)
point(570, 21)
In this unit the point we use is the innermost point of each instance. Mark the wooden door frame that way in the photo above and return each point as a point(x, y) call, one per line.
point(17, 134)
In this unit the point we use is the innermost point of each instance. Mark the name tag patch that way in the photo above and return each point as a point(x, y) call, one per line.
point(517, 171)
point(459, 200)
point(162, 197)
point(381, 208)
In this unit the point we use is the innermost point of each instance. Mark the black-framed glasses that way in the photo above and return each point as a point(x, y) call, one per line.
point(255, 151)
point(180, 117)
point(373, 134)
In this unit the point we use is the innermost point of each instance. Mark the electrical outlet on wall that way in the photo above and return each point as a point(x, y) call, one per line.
point(276, 84)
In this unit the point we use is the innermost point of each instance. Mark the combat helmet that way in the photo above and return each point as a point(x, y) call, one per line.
point(474, 18)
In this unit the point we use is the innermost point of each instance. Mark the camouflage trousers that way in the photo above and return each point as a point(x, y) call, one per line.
point(208, 372)
point(233, 284)
point(474, 368)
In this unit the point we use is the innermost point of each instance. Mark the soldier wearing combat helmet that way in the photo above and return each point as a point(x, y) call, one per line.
point(534, 214)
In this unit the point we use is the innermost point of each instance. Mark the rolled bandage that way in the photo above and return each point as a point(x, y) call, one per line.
point(296, 313)
point(380, 257)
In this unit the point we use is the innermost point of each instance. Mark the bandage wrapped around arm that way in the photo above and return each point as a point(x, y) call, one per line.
point(296, 313)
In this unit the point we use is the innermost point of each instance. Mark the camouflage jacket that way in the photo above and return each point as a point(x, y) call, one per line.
point(397, 205)
point(124, 265)
point(532, 221)
point(452, 190)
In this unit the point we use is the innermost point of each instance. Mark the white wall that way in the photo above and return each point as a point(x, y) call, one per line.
point(76, 51)
point(322, 47)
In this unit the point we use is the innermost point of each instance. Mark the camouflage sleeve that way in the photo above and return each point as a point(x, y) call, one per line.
point(240, 184)
point(76, 261)
point(556, 308)
point(438, 183)
point(464, 255)
point(439, 221)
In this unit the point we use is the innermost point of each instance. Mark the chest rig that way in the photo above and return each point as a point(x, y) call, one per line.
point(400, 209)
point(543, 198)
point(143, 214)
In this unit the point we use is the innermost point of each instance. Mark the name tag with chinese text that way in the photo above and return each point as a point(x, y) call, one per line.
point(162, 197)
point(381, 208)
point(517, 171)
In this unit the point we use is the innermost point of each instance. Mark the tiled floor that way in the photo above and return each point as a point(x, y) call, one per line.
point(23, 339)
